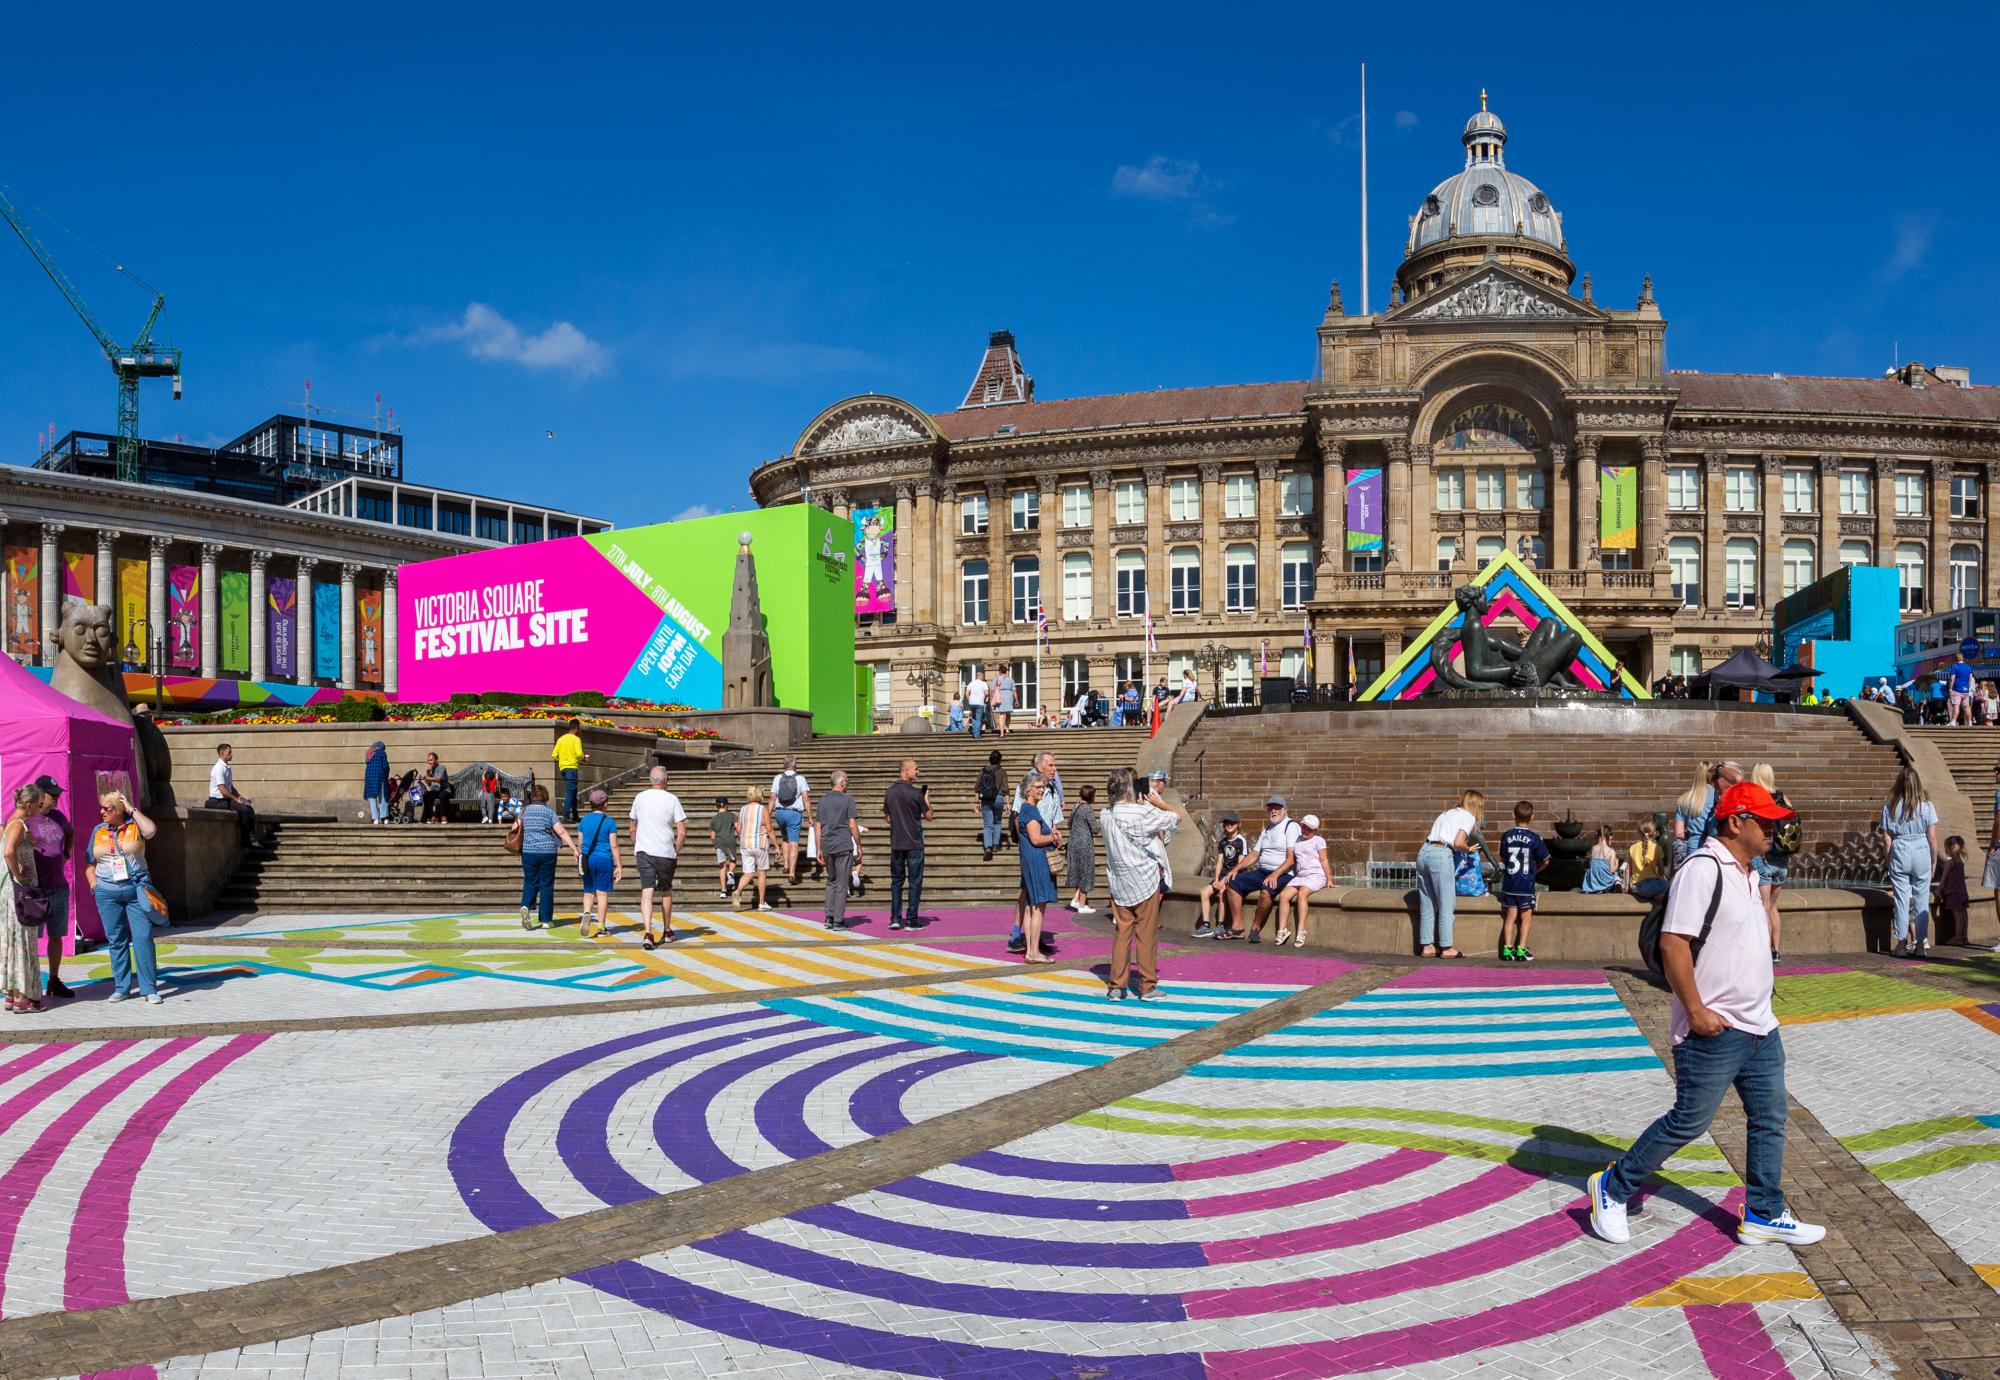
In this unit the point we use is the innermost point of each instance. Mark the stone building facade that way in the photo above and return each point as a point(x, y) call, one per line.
point(1494, 405)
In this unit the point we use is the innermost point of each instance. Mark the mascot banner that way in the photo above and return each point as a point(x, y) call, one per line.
point(643, 613)
point(874, 560)
point(368, 638)
point(79, 578)
point(24, 601)
point(184, 616)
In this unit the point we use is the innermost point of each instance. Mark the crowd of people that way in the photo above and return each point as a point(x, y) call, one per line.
point(982, 706)
point(1955, 697)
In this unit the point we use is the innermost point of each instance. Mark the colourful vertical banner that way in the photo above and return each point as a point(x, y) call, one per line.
point(281, 631)
point(233, 618)
point(326, 631)
point(1364, 510)
point(132, 629)
point(79, 578)
point(875, 560)
point(368, 637)
point(24, 600)
point(184, 616)
point(1618, 508)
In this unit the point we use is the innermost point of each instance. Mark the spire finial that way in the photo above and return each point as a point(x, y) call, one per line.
point(1482, 98)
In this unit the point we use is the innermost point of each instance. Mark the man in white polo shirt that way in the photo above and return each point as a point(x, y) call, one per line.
point(659, 831)
point(976, 694)
point(1715, 946)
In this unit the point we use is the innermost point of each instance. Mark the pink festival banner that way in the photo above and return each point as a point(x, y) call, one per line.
point(184, 616)
point(874, 560)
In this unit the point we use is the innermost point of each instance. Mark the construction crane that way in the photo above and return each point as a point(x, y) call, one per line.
point(142, 359)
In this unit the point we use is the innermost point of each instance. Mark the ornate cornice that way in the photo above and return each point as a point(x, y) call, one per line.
point(1267, 468)
point(1712, 461)
point(1211, 472)
point(1156, 475)
point(1967, 529)
point(1685, 522)
point(1075, 538)
point(1742, 522)
point(1856, 526)
point(1809, 434)
point(1771, 462)
point(1801, 522)
point(1182, 531)
point(1129, 532)
point(1239, 527)
point(1913, 527)
point(1886, 466)
point(1100, 479)
point(1828, 462)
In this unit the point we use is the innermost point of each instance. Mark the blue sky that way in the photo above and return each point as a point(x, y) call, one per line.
point(673, 236)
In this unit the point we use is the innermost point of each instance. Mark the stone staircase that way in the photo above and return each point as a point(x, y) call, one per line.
point(1970, 753)
point(1377, 777)
point(355, 867)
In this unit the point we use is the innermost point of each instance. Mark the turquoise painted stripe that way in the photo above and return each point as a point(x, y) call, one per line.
point(1484, 994)
point(1121, 1014)
point(1416, 1073)
point(952, 1020)
point(1260, 1050)
point(1258, 995)
point(1466, 1027)
point(1991, 1119)
point(1349, 1012)
point(848, 1020)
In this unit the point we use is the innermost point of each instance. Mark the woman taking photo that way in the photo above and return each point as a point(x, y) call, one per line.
point(1437, 862)
point(18, 973)
point(540, 832)
point(118, 855)
point(1909, 844)
point(1038, 882)
point(1082, 856)
point(603, 868)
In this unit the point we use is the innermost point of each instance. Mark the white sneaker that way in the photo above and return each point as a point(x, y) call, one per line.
point(1607, 1215)
point(1084, 910)
point(1756, 1231)
point(115, 996)
point(155, 999)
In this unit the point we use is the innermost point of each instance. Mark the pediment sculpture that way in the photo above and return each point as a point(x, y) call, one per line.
point(1492, 295)
point(857, 432)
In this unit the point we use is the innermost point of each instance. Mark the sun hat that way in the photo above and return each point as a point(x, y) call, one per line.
point(1309, 821)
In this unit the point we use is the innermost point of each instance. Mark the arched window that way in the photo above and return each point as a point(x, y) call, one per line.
point(1855, 552)
point(1800, 568)
point(1076, 586)
point(1684, 569)
point(1447, 552)
point(1739, 573)
point(1486, 549)
point(1910, 575)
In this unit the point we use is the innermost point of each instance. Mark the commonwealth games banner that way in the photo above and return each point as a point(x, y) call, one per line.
point(1618, 508)
point(326, 630)
point(184, 616)
point(233, 620)
point(130, 629)
point(282, 640)
point(639, 612)
point(1364, 510)
point(79, 578)
point(368, 637)
point(874, 560)
point(24, 600)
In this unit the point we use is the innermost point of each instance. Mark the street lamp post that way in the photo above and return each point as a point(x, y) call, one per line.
point(158, 659)
point(1212, 657)
point(924, 677)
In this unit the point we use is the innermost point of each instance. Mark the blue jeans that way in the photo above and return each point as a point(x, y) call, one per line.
point(569, 793)
point(990, 812)
point(1704, 1068)
point(905, 862)
point(975, 718)
point(378, 808)
point(1910, 882)
point(538, 884)
point(1437, 895)
point(128, 929)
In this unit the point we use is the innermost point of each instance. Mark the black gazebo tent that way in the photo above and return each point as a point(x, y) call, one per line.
point(1745, 670)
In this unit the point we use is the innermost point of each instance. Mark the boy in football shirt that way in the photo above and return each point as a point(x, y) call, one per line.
point(1522, 857)
point(1229, 851)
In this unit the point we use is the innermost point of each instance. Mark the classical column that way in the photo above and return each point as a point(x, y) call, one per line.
point(1000, 578)
point(1332, 508)
point(946, 524)
point(1156, 544)
point(905, 523)
point(1712, 538)
point(1588, 521)
point(107, 567)
point(1396, 501)
point(1051, 500)
point(260, 619)
point(836, 499)
point(1562, 555)
point(1938, 507)
point(1885, 513)
point(1422, 554)
point(156, 597)
point(1771, 502)
point(1101, 601)
point(1989, 559)
point(1211, 538)
point(211, 631)
point(920, 547)
point(305, 625)
point(1652, 503)
point(51, 589)
point(348, 574)
point(1826, 499)
point(389, 626)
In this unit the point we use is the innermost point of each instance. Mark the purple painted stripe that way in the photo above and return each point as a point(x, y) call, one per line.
point(1497, 1183)
point(1734, 1343)
point(1386, 1169)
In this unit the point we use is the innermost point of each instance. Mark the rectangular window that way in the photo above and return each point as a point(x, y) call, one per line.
point(1739, 574)
point(1684, 661)
point(1606, 560)
point(1683, 488)
point(1447, 552)
point(1027, 688)
point(1530, 489)
point(1184, 500)
point(1364, 562)
point(1075, 678)
point(1799, 569)
point(455, 518)
point(1129, 567)
point(1450, 490)
point(1239, 685)
point(973, 587)
point(1024, 510)
point(1491, 488)
point(1798, 490)
point(1857, 493)
point(1184, 580)
point(491, 526)
point(1965, 496)
point(1909, 495)
point(1239, 496)
point(1128, 668)
point(1295, 494)
point(1964, 576)
point(1910, 576)
point(1027, 580)
point(372, 505)
point(1239, 578)
point(1855, 553)
point(1076, 505)
point(1129, 502)
point(1295, 574)
point(1739, 489)
point(972, 515)
point(1076, 587)
point(526, 529)
point(413, 512)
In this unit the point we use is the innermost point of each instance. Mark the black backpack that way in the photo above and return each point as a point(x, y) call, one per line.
point(788, 789)
point(1654, 925)
point(1786, 835)
point(989, 784)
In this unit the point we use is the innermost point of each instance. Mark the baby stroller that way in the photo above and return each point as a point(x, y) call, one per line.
point(403, 809)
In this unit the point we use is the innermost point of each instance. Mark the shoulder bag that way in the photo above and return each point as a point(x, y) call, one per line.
point(515, 832)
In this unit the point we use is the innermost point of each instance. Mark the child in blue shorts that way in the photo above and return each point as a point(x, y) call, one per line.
point(1522, 857)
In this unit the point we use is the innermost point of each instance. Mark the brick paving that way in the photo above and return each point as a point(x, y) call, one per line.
point(810, 1155)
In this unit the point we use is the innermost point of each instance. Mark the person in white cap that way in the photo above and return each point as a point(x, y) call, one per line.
point(1266, 870)
point(1309, 874)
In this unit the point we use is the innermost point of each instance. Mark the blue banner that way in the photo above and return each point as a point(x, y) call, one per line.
point(326, 630)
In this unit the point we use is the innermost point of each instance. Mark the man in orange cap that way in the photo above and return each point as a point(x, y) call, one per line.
point(1715, 947)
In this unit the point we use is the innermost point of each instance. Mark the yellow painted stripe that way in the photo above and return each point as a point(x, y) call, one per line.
point(1696, 1289)
point(690, 974)
point(1989, 1273)
point(751, 975)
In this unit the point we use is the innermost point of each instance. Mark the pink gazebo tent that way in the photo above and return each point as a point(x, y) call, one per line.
point(45, 732)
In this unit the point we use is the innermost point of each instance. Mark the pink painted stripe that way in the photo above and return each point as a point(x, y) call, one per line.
point(1695, 1246)
point(1734, 1343)
point(47, 1086)
point(94, 1273)
point(1251, 1161)
point(1387, 1169)
point(1500, 1182)
point(40, 1054)
point(1446, 975)
point(1497, 1252)
point(19, 1184)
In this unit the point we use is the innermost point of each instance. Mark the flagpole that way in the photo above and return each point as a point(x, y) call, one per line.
point(1041, 627)
point(1364, 189)
point(1146, 681)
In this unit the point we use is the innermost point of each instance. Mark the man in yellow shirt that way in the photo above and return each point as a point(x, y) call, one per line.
point(569, 756)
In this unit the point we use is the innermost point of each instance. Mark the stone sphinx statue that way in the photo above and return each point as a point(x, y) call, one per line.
point(87, 671)
point(1494, 661)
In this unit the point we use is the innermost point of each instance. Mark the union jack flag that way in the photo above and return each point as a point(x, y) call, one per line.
point(1042, 623)
point(1151, 645)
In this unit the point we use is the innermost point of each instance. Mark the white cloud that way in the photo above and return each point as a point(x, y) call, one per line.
point(1911, 248)
point(699, 510)
point(486, 334)
point(1406, 119)
point(1161, 179)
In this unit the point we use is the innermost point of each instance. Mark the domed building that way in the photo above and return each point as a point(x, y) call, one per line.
point(1493, 406)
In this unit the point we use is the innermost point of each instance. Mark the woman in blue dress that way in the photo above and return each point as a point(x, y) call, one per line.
point(600, 863)
point(1909, 837)
point(1038, 882)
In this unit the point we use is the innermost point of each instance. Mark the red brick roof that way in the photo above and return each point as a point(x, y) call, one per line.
point(1838, 397)
point(1230, 402)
